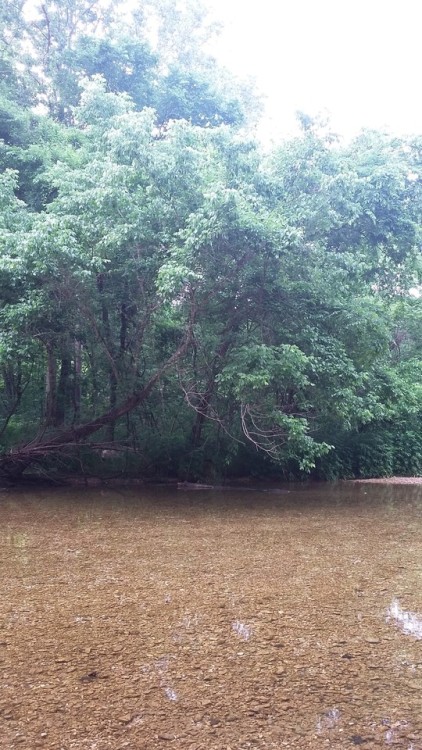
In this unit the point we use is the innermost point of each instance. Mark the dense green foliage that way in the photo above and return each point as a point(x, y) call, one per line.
point(178, 299)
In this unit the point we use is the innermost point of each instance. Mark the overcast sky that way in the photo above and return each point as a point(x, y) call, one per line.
point(359, 60)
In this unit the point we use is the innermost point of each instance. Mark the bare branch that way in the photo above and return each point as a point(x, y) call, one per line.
point(265, 439)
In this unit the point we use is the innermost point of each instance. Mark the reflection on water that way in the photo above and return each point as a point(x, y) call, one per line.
point(17, 539)
point(162, 668)
point(409, 622)
point(244, 631)
point(208, 620)
point(391, 735)
point(328, 720)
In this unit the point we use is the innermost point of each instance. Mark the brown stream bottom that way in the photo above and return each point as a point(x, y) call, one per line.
point(145, 619)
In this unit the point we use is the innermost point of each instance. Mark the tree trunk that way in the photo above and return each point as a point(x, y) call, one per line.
point(112, 376)
point(50, 386)
point(14, 463)
point(205, 401)
point(77, 371)
point(13, 391)
point(62, 392)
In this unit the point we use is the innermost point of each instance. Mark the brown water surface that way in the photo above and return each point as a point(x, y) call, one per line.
point(211, 620)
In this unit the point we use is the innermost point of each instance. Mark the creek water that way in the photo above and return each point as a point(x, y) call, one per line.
point(285, 616)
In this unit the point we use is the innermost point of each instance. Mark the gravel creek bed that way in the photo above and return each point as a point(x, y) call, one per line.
point(156, 618)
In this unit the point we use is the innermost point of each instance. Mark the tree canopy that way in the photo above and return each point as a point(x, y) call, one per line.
point(175, 296)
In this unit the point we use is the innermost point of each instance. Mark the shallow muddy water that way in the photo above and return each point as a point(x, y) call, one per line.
point(147, 618)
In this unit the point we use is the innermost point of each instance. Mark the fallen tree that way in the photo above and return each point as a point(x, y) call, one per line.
point(14, 463)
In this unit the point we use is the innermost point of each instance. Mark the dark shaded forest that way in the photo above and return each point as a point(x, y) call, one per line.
point(176, 301)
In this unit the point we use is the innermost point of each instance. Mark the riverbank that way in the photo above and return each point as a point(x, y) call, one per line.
point(390, 480)
point(243, 483)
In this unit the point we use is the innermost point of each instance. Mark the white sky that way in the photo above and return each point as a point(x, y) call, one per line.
point(358, 60)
